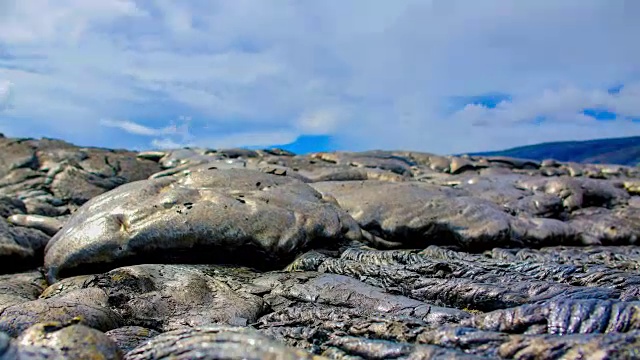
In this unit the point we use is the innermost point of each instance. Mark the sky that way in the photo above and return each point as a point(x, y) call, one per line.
point(441, 76)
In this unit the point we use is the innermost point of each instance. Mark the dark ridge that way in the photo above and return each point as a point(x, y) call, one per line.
point(619, 151)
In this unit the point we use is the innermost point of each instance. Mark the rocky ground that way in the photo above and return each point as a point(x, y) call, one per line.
point(204, 254)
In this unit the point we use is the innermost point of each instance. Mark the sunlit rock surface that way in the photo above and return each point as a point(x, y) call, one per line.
point(235, 253)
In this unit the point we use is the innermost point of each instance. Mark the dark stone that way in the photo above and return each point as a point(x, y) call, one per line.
point(230, 219)
point(68, 341)
point(236, 253)
point(20, 248)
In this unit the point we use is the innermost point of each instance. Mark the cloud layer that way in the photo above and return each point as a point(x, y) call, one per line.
point(5, 94)
point(367, 73)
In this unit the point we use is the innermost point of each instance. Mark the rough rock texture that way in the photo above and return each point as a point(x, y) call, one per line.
point(215, 342)
point(128, 338)
point(235, 253)
point(497, 345)
point(236, 215)
point(58, 341)
point(70, 341)
point(89, 306)
point(167, 297)
point(9, 350)
point(19, 288)
point(57, 173)
point(20, 247)
point(416, 215)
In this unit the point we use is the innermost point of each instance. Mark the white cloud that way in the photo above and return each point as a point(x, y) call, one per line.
point(54, 21)
point(137, 129)
point(375, 73)
point(262, 139)
point(5, 94)
point(176, 135)
point(166, 143)
point(561, 113)
point(563, 105)
point(226, 141)
point(320, 121)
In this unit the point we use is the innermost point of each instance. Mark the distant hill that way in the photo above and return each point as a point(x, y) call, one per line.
point(622, 151)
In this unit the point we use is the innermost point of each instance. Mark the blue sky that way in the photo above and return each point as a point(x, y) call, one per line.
point(443, 76)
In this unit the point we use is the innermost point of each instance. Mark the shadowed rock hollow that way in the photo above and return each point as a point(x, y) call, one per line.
point(234, 253)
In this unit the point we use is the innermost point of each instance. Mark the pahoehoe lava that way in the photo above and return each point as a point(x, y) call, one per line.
point(251, 254)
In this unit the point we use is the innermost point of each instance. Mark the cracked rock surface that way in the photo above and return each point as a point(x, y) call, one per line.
point(253, 254)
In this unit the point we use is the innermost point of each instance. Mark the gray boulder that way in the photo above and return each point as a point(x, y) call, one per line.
point(67, 341)
point(215, 216)
point(418, 215)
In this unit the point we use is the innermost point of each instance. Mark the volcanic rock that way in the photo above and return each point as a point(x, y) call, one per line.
point(215, 342)
point(19, 288)
point(20, 248)
point(89, 306)
point(128, 338)
point(236, 253)
point(68, 341)
point(234, 215)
